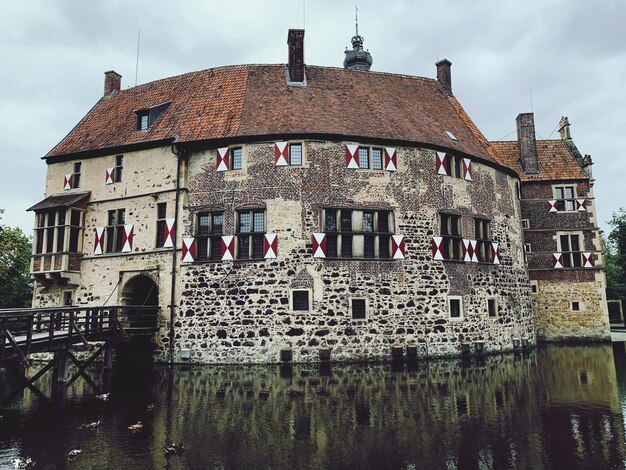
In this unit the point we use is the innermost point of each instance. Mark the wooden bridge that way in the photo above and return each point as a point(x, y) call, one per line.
point(63, 331)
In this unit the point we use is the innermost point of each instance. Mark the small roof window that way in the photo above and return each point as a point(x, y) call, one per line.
point(147, 117)
point(451, 135)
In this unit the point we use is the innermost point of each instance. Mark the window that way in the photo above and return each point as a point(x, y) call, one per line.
point(564, 196)
point(482, 232)
point(455, 307)
point(370, 159)
point(527, 247)
point(525, 223)
point(452, 136)
point(67, 298)
point(364, 157)
point(161, 224)
point(359, 309)
point(454, 166)
point(119, 167)
point(115, 230)
point(491, 308)
point(300, 300)
point(76, 174)
point(209, 230)
point(147, 117)
point(55, 233)
point(570, 251)
point(534, 287)
point(236, 158)
point(250, 234)
point(576, 306)
point(357, 233)
point(295, 154)
point(452, 242)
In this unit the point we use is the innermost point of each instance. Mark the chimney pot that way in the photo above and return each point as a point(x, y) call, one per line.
point(112, 82)
point(564, 128)
point(527, 143)
point(295, 42)
point(444, 75)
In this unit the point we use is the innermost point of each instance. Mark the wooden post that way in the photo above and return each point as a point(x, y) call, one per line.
point(60, 377)
point(108, 356)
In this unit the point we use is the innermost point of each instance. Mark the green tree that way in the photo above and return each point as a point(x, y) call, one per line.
point(615, 257)
point(15, 285)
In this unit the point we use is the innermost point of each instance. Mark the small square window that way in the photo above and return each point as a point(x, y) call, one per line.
point(575, 306)
point(527, 247)
point(491, 308)
point(300, 300)
point(359, 309)
point(525, 223)
point(534, 287)
point(455, 307)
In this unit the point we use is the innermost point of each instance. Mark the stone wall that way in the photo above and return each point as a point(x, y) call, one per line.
point(240, 311)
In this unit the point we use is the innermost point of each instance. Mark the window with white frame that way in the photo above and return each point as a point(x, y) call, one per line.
point(250, 234)
point(370, 158)
point(352, 233)
point(295, 154)
point(565, 198)
point(236, 158)
point(570, 249)
point(455, 307)
point(209, 230)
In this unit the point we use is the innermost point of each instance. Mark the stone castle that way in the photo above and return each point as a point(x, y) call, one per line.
point(301, 213)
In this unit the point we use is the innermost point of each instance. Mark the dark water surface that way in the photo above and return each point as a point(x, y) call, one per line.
point(554, 408)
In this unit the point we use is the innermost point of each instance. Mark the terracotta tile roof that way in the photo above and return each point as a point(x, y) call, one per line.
point(556, 162)
point(255, 100)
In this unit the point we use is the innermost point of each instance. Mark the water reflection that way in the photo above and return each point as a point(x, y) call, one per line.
point(557, 407)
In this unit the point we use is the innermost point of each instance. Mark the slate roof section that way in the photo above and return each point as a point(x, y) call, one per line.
point(255, 100)
point(556, 162)
point(59, 200)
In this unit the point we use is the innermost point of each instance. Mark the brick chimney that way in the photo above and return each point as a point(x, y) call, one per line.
point(295, 41)
point(527, 143)
point(112, 82)
point(444, 75)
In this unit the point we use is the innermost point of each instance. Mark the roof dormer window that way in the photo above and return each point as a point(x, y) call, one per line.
point(147, 117)
point(452, 136)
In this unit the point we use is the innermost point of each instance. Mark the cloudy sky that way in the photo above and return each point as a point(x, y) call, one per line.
point(568, 55)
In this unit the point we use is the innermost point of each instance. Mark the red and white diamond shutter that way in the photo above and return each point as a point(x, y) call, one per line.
point(588, 260)
point(270, 246)
point(228, 248)
point(495, 251)
point(127, 238)
point(552, 205)
point(557, 260)
point(437, 246)
point(470, 251)
point(467, 169)
point(67, 181)
point(98, 246)
point(319, 245)
point(391, 160)
point(442, 163)
point(397, 247)
point(189, 250)
point(109, 177)
point(280, 154)
point(169, 233)
point(351, 156)
point(223, 155)
point(581, 205)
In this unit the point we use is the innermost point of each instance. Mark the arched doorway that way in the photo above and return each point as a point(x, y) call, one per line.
point(139, 291)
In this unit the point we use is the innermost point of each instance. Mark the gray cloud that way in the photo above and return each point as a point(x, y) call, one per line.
point(571, 54)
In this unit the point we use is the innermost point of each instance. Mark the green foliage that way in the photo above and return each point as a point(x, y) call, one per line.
point(615, 257)
point(15, 285)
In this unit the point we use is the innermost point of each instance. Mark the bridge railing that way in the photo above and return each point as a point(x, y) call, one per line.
point(25, 330)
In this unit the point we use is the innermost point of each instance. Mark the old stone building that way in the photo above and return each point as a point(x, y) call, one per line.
point(290, 212)
point(561, 235)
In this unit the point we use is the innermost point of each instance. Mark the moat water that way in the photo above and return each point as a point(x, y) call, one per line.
point(553, 408)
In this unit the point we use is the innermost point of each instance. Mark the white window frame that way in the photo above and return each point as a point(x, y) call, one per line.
point(309, 293)
point(460, 299)
point(536, 285)
point(367, 309)
point(574, 187)
point(303, 160)
point(525, 224)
